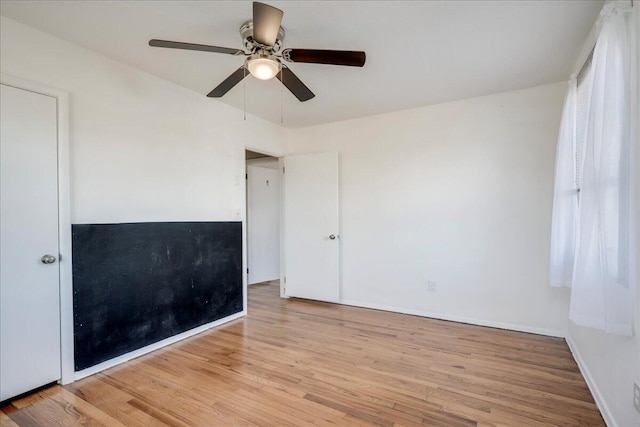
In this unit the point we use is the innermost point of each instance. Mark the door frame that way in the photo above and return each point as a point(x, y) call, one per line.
point(64, 218)
point(245, 210)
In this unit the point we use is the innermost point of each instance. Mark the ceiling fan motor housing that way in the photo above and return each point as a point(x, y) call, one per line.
point(246, 32)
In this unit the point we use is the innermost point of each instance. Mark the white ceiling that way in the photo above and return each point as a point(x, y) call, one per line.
point(418, 53)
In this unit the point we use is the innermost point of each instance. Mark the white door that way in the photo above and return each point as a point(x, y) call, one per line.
point(29, 273)
point(263, 223)
point(311, 227)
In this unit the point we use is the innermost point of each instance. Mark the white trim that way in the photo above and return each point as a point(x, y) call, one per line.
point(283, 263)
point(64, 218)
point(460, 319)
point(262, 161)
point(66, 271)
point(595, 391)
point(155, 346)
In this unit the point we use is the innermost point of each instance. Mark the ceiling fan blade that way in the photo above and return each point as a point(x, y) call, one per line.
point(266, 23)
point(228, 83)
point(332, 57)
point(294, 84)
point(194, 46)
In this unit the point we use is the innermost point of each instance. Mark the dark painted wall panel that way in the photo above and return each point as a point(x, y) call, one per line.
point(138, 283)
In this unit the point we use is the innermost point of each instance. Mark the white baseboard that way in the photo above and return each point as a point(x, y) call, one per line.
point(595, 391)
point(453, 318)
point(155, 346)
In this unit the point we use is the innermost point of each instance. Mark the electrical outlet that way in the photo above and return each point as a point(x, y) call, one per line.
point(636, 395)
point(432, 286)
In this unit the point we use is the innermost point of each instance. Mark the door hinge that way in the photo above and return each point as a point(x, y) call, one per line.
point(247, 271)
point(246, 176)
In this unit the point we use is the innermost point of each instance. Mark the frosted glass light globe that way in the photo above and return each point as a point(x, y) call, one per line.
point(263, 68)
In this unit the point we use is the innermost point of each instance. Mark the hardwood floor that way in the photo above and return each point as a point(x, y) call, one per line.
point(296, 362)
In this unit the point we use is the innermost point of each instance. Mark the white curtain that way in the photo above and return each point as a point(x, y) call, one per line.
point(600, 296)
point(563, 223)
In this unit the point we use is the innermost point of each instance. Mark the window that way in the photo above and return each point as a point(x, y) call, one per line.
point(590, 250)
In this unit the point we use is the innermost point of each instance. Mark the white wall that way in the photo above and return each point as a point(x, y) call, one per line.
point(458, 193)
point(141, 148)
point(611, 363)
point(263, 223)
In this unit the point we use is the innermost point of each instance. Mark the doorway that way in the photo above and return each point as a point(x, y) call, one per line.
point(262, 217)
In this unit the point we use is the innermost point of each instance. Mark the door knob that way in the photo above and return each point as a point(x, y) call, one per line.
point(332, 237)
point(48, 259)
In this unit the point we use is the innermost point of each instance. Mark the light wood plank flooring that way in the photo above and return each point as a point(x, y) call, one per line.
point(296, 362)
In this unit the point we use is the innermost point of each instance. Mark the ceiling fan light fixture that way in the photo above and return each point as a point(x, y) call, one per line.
point(263, 68)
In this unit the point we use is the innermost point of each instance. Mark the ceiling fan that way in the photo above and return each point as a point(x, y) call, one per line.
point(262, 38)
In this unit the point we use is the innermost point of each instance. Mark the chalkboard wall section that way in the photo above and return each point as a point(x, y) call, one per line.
point(135, 284)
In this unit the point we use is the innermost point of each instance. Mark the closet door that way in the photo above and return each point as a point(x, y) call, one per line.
point(29, 252)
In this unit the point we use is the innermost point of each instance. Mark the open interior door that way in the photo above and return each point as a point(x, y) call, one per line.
point(311, 227)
